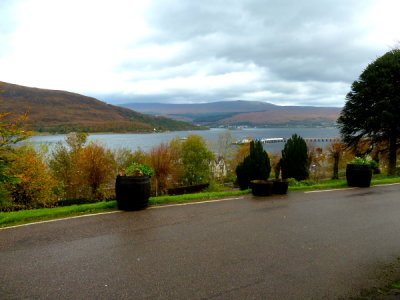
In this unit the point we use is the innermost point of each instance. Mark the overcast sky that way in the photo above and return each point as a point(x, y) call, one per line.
point(286, 52)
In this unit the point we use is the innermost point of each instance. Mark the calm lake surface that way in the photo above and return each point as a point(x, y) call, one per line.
point(148, 140)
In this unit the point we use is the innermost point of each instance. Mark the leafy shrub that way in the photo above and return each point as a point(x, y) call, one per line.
point(295, 158)
point(196, 158)
point(139, 170)
point(294, 182)
point(126, 157)
point(365, 161)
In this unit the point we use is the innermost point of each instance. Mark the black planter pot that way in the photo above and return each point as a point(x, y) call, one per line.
point(261, 187)
point(243, 183)
point(280, 187)
point(132, 192)
point(358, 175)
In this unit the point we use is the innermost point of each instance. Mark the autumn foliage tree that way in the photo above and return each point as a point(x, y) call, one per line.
point(97, 170)
point(64, 164)
point(162, 159)
point(85, 171)
point(336, 151)
point(13, 129)
point(35, 186)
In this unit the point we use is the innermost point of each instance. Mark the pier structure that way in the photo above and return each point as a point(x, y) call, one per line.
point(284, 140)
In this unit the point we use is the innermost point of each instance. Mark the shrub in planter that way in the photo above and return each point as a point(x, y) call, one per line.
point(255, 166)
point(359, 172)
point(132, 187)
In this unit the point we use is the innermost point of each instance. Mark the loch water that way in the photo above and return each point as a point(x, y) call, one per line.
point(148, 140)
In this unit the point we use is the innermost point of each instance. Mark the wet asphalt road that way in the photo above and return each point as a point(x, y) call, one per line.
point(321, 245)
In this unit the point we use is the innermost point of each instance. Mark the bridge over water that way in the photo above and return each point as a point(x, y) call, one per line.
point(284, 140)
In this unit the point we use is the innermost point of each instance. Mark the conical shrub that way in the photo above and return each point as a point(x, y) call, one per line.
point(255, 166)
point(294, 159)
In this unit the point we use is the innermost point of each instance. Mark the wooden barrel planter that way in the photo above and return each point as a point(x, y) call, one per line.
point(358, 175)
point(132, 192)
point(261, 187)
point(280, 187)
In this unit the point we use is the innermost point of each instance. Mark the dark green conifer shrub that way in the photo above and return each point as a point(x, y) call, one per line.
point(294, 159)
point(255, 166)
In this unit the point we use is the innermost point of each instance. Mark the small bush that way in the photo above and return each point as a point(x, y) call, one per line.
point(294, 182)
point(139, 170)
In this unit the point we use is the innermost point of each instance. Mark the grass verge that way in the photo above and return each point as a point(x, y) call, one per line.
point(43, 214)
point(35, 215)
point(342, 183)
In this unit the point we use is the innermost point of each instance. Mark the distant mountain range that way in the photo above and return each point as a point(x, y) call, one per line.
point(60, 111)
point(242, 113)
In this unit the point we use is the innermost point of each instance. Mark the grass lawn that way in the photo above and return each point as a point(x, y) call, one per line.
point(34, 215)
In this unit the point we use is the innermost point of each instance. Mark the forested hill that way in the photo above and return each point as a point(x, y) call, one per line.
point(60, 111)
point(240, 113)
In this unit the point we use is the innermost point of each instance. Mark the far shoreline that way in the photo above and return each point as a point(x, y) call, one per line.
point(35, 133)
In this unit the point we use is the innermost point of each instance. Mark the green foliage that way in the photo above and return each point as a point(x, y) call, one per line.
point(126, 157)
point(255, 166)
point(364, 161)
point(372, 106)
point(196, 158)
point(303, 183)
point(295, 158)
point(139, 170)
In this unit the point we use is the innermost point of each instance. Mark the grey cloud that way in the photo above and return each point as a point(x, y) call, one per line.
point(314, 44)
point(7, 24)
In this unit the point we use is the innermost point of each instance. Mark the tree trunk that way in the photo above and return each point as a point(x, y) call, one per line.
point(392, 155)
point(336, 157)
point(376, 158)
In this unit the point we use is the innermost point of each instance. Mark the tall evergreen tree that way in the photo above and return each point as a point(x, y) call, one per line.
point(372, 109)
